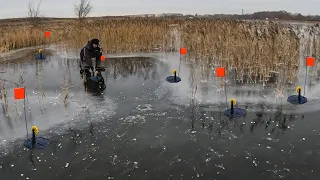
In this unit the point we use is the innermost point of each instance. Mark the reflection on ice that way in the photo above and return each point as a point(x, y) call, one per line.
point(141, 124)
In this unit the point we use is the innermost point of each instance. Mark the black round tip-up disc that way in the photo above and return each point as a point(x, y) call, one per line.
point(41, 143)
point(171, 79)
point(100, 68)
point(96, 78)
point(38, 57)
point(294, 99)
point(237, 112)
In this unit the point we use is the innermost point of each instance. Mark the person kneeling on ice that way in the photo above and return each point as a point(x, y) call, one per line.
point(91, 50)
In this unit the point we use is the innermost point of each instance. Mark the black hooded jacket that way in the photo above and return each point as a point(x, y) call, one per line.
point(88, 52)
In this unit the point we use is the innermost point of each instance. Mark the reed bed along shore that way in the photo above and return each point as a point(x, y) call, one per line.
point(256, 49)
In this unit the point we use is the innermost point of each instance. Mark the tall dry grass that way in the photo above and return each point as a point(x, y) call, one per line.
point(256, 49)
point(252, 48)
point(3, 98)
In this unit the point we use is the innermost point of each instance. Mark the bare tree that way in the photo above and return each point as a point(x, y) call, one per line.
point(34, 12)
point(82, 9)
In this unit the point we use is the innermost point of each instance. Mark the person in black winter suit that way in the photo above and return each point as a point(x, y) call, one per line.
point(91, 50)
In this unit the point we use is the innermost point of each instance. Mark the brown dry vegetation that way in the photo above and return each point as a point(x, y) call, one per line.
point(254, 48)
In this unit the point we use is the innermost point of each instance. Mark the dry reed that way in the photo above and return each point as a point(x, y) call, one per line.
point(257, 50)
point(142, 67)
point(3, 98)
point(65, 89)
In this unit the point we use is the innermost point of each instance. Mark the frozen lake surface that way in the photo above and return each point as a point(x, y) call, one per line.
point(142, 127)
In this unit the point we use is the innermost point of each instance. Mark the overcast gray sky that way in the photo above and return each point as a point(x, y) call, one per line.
point(64, 8)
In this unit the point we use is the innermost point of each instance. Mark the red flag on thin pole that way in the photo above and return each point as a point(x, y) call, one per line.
point(183, 51)
point(19, 93)
point(220, 72)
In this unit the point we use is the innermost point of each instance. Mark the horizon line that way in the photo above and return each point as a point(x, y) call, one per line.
point(164, 13)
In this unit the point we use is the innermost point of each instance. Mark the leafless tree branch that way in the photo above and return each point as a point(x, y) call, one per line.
point(82, 9)
point(34, 12)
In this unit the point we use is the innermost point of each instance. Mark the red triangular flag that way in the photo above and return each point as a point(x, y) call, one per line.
point(47, 34)
point(220, 72)
point(183, 51)
point(310, 61)
point(19, 93)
